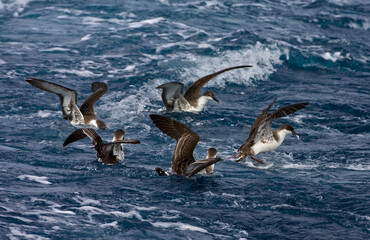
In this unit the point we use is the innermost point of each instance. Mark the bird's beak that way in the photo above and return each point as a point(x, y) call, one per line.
point(296, 134)
point(214, 98)
point(232, 156)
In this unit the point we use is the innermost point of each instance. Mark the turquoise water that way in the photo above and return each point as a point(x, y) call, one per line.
point(302, 51)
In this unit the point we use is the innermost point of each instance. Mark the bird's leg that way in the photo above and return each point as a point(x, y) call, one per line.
point(257, 160)
point(232, 156)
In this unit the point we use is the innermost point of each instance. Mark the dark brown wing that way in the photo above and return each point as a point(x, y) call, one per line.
point(81, 134)
point(98, 89)
point(192, 93)
point(284, 111)
point(68, 97)
point(256, 124)
point(198, 166)
point(186, 139)
point(170, 127)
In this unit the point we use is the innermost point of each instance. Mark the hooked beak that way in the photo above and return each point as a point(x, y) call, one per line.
point(214, 98)
point(296, 134)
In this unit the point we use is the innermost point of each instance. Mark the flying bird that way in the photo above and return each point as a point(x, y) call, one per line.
point(174, 100)
point(183, 162)
point(262, 138)
point(108, 153)
point(68, 99)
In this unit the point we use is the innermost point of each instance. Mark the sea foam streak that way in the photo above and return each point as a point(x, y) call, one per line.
point(42, 180)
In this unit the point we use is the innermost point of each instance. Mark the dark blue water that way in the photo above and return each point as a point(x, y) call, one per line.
point(314, 51)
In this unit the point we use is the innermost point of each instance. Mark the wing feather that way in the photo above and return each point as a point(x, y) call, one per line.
point(81, 134)
point(68, 97)
point(171, 92)
point(198, 166)
point(192, 93)
point(98, 89)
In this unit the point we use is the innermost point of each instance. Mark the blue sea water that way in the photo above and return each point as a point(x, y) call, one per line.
point(312, 51)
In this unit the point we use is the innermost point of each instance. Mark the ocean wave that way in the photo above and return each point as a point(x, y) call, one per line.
point(15, 7)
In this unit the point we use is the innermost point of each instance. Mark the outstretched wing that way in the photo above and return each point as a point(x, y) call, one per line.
point(68, 97)
point(256, 127)
point(192, 93)
point(82, 133)
point(171, 91)
point(98, 89)
point(198, 166)
point(186, 139)
point(264, 129)
point(171, 127)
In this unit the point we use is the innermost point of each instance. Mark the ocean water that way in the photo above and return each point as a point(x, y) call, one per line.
point(301, 51)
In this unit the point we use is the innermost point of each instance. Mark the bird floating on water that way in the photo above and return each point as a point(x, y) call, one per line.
point(183, 162)
point(108, 153)
point(262, 138)
point(175, 101)
point(68, 99)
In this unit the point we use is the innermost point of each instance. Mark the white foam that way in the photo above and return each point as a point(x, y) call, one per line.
point(82, 73)
point(17, 6)
point(58, 49)
point(267, 165)
point(2, 62)
point(179, 225)
point(46, 113)
point(262, 57)
point(359, 167)
point(16, 232)
point(92, 21)
point(86, 201)
point(145, 22)
point(334, 57)
point(42, 180)
point(54, 210)
point(86, 37)
point(129, 68)
point(299, 166)
point(129, 214)
point(112, 224)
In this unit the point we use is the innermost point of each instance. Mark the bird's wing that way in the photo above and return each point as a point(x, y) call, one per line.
point(198, 166)
point(171, 127)
point(82, 133)
point(264, 130)
point(68, 97)
point(98, 89)
point(183, 153)
point(255, 132)
point(171, 92)
point(186, 139)
point(192, 93)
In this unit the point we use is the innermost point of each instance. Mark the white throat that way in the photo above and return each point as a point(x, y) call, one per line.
point(202, 101)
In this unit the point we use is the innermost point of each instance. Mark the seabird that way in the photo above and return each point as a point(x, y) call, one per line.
point(68, 99)
point(175, 101)
point(183, 162)
point(108, 153)
point(261, 137)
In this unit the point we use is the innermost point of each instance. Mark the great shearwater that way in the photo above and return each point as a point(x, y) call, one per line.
point(175, 101)
point(183, 162)
point(261, 137)
point(108, 153)
point(68, 99)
